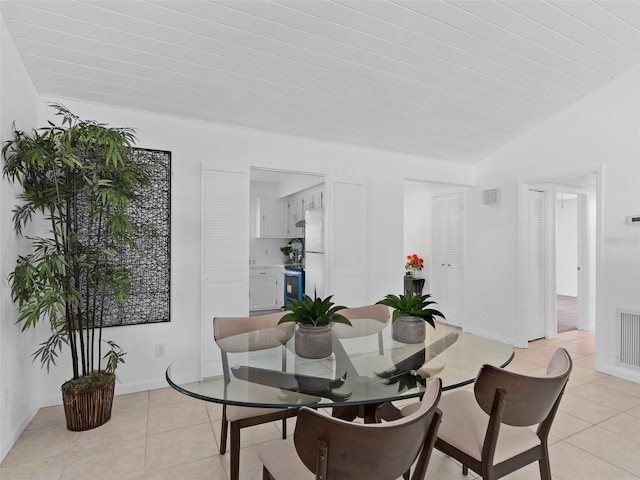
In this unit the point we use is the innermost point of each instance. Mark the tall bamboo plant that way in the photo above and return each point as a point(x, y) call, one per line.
point(80, 177)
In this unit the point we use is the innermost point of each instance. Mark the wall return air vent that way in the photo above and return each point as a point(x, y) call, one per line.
point(491, 196)
point(628, 338)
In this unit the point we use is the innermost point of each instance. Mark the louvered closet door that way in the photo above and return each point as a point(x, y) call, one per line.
point(448, 254)
point(225, 253)
point(536, 264)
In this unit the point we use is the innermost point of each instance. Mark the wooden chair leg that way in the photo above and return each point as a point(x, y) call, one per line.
point(223, 431)
point(265, 474)
point(465, 470)
point(545, 468)
point(284, 428)
point(234, 451)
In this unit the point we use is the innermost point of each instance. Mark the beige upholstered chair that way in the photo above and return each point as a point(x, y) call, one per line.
point(367, 320)
point(235, 417)
point(492, 429)
point(329, 448)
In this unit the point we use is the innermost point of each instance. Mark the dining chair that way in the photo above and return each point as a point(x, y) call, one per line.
point(503, 424)
point(365, 320)
point(235, 418)
point(329, 448)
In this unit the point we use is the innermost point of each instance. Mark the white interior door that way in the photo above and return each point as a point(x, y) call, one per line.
point(448, 255)
point(225, 254)
point(536, 261)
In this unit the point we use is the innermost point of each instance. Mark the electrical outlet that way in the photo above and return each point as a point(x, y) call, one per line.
point(160, 350)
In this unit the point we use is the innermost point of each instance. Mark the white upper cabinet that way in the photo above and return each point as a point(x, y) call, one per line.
point(273, 219)
point(296, 214)
point(314, 200)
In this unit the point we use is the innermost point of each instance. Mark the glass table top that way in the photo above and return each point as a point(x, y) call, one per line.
point(366, 367)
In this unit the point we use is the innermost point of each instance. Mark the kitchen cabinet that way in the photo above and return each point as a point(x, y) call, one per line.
point(314, 200)
point(317, 200)
point(296, 213)
point(265, 288)
point(273, 219)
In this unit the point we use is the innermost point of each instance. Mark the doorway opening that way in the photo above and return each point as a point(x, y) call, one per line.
point(281, 259)
point(567, 262)
point(566, 249)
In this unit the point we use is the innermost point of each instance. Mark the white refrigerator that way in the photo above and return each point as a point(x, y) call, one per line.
point(314, 252)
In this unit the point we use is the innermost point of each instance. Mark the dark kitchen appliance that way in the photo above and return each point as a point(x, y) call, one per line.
point(293, 283)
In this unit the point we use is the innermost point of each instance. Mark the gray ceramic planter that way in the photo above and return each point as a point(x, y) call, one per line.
point(313, 342)
point(409, 329)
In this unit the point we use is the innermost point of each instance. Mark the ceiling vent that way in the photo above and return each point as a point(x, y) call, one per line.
point(492, 196)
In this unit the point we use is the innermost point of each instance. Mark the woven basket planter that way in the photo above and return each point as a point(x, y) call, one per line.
point(90, 408)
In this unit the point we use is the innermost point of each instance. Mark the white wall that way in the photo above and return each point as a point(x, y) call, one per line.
point(567, 245)
point(600, 131)
point(417, 220)
point(19, 389)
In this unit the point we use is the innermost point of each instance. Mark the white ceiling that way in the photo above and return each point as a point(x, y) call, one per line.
point(454, 80)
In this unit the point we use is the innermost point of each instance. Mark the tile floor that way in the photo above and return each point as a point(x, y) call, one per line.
point(161, 434)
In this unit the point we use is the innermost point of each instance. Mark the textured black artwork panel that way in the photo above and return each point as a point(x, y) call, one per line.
point(150, 262)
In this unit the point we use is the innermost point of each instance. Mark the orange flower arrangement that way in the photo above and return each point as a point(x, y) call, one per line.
point(414, 262)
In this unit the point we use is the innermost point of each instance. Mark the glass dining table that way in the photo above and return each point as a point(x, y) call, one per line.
point(367, 367)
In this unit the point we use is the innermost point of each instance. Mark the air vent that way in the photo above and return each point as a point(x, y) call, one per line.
point(628, 338)
point(492, 196)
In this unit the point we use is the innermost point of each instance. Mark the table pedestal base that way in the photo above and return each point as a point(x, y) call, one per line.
point(367, 412)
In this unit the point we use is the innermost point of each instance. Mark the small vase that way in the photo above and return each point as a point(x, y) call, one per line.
point(313, 342)
point(409, 329)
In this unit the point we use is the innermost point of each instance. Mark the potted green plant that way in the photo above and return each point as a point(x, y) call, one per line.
point(287, 250)
point(410, 312)
point(314, 316)
point(82, 180)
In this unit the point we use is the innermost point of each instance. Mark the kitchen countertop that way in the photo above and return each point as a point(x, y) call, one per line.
point(276, 265)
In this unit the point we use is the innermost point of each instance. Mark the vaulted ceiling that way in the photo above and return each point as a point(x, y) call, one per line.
point(453, 80)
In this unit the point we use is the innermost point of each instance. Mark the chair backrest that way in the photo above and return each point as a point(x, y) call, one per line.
point(366, 320)
point(272, 334)
point(529, 399)
point(339, 449)
point(374, 312)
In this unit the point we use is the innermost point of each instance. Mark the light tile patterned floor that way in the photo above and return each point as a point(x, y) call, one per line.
point(161, 434)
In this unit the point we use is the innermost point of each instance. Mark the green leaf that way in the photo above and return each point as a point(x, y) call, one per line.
point(411, 304)
point(315, 312)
